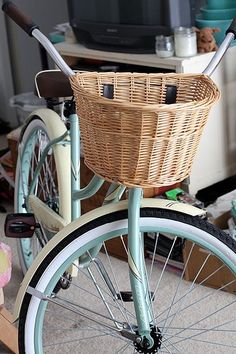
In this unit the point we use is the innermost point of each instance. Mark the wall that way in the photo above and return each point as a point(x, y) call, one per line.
point(6, 86)
point(24, 50)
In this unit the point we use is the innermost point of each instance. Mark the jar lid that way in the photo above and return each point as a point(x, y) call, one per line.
point(184, 30)
point(161, 36)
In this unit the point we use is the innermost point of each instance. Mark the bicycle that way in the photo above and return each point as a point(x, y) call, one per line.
point(72, 280)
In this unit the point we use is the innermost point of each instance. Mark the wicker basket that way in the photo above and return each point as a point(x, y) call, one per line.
point(136, 139)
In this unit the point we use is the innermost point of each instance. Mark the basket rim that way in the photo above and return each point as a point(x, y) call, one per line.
point(146, 106)
point(138, 74)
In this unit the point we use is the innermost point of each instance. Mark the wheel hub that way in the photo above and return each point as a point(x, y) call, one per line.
point(142, 347)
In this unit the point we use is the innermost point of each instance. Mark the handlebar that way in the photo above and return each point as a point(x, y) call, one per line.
point(232, 28)
point(18, 17)
point(230, 36)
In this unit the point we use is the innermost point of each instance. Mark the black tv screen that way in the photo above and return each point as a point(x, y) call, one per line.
point(127, 25)
point(129, 12)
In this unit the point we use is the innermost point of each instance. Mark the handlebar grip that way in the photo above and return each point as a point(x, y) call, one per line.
point(232, 28)
point(18, 17)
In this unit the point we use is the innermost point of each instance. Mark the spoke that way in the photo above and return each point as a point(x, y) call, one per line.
point(65, 318)
point(116, 304)
point(166, 349)
point(183, 300)
point(204, 341)
point(52, 189)
point(153, 257)
point(202, 319)
point(164, 267)
point(148, 298)
point(39, 182)
point(215, 329)
point(179, 282)
point(103, 298)
point(43, 182)
point(21, 175)
point(106, 331)
point(117, 286)
point(74, 340)
point(72, 308)
point(33, 162)
point(122, 350)
point(75, 328)
point(70, 305)
point(43, 178)
point(212, 292)
point(169, 344)
point(195, 288)
point(92, 294)
point(205, 329)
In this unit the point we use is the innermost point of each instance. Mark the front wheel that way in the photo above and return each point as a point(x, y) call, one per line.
point(95, 312)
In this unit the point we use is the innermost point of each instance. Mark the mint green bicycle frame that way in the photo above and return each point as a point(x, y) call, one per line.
point(137, 273)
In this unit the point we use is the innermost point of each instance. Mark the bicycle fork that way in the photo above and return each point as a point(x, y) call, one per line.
point(137, 270)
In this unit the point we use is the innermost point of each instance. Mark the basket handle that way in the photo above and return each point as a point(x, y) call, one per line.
point(171, 93)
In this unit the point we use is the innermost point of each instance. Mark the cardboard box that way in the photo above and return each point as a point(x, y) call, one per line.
point(13, 139)
point(212, 274)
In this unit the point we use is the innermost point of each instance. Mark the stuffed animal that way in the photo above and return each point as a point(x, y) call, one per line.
point(205, 39)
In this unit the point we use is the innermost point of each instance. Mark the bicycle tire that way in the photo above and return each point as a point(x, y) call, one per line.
point(178, 318)
point(33, 140)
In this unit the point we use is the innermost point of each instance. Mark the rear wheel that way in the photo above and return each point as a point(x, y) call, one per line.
point(95, 314)
point(32, 145)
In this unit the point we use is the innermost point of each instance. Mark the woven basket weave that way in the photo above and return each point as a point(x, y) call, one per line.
point(136, 139)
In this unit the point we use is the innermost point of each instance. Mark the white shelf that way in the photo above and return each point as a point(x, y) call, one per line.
point(151, 60)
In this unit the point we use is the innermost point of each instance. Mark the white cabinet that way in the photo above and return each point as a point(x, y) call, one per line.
point(216, 156)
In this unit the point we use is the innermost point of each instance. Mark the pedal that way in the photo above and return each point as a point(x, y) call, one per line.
point(127, 296)
point(20, 225)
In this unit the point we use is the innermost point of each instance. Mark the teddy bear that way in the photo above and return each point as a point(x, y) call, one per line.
point(205, 39)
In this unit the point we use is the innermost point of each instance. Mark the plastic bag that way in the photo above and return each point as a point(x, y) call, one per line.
point(5, 264)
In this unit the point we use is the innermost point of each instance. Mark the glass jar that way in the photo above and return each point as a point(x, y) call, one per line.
point(164, 46)
point(185, 42)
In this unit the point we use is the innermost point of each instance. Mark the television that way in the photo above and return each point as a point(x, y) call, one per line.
point(127, 25)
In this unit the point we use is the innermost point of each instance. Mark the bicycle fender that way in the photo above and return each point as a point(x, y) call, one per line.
point(55, 129)
point(104, 210)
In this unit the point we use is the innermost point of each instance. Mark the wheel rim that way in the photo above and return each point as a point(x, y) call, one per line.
point(45, 188)
point(175, 338)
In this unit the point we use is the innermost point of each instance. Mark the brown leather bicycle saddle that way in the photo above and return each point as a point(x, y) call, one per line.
point(52, 84)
